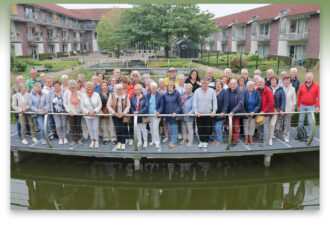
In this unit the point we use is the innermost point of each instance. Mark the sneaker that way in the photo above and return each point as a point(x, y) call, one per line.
point(35, 140)
point(151, 143)
point(171, 145)
point(179, 136)
point(126, 141)
point(157, 146)
point(145, 145)
point(165, 139)
point(97, 145)
point(200, 145)
point(25, 142)
point(92, 144)
point(205, 144)
point(123, 147)
point(270, 141)
point(80, 142)
point(43, 142)
point(51, 137)
point(286, 140)
point(130, 142)
point(118, 146)
point(182, 142)
point(65, 141)
point(105, 142)
point(139, 143)
point(189, 145)
point(60, 141)
point(263, 144)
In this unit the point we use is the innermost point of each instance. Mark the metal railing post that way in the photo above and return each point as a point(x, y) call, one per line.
point(313, 130)
point(135, 133)
point(230, 129)
point(45, 131)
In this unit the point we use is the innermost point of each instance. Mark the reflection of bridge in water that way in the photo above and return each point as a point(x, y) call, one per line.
point(79, 183)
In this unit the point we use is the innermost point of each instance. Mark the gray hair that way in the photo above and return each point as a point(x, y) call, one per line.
point(116, 69)
point(153, 84)
point(270, 70)
point(138, 86)
point(257, 70)
point(293, 69)
point(188, 85)
point(118, 86)
point(310, 73)
point(89, 83)
point(36, 84)
point(65, 76)
point(261, 79)
point(161, 79)
point(250, 83)
point(95, 77)
point(146, 75)
point(18, 76)
point(227, 70)
point(135, 72)
point(209, 69)
point(181, 76)
point(256, 77)
point(244, 70)
point(72, 82)
point(20, 86)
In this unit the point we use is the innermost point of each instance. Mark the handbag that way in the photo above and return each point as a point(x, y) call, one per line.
point(105, 111)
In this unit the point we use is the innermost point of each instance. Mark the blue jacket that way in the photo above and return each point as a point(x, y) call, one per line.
point(159, 101)
point(280, 98)
point(143, 106)
point(295, 84)
point(37, 102)
point(257, 101)
point(172, 104)
point(238, 107)
point(188, 106)
point(223, 101)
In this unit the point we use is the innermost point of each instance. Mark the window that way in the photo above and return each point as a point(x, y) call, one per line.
point(224, 47)
point(264, 29)
point(254, 28)
point(225, 34)
point(293, 26)
point(282, 25)
point(263, 50)
point(241, 48)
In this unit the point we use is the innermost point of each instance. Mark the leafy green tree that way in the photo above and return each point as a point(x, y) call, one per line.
point(108, 34)
point(162, 24)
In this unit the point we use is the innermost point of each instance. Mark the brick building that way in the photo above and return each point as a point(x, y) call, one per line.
point(277, 29)
point(50, 28)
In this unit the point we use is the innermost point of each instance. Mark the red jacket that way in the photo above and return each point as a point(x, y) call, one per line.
point(267, 100)
point(309, 97)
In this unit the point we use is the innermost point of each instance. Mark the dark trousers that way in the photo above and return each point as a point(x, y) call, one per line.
point(121, 129)
point(131, 130)
point(204, 125)
point(75, 127)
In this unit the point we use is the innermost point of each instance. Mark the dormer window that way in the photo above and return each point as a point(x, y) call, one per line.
point(284, 12)
point(253, 18)
point(219, 24)
point(235, 20)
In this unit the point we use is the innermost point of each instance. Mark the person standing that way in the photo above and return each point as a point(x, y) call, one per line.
point(294, 79)
point(290, 104)
point(32, 80)
point(187, 99)
point(222, 108)
point(171, 76)
point(194, 80)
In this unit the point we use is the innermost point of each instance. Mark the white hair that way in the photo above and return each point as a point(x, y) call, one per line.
point(118, 86)
point(18, 76)
point(89, 83)
point(94, 77)
point(72, 82)
point(256, 77)
point(65, 76)
point(116, 69)
point(270, 70)
point(227, 70)
point(138, 86)
point(250, 83)
point(161, 79)
point(153, 84)
point(310, 73)
point(246, 70)
point(210, 69)
point(188, 85)
point(146, 75)
point(257, 70)
point(181, 76)
point(293, 69)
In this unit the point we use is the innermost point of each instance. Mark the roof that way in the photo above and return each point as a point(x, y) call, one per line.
point(266, 12)
point(92, 14)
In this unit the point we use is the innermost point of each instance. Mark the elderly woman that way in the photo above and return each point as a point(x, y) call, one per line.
point(65, 81)
point(112, 82)
point(255, 81)
point(205, 102)
point(145, 77)
point(105, 121)
point(139, 105)
point(290, 104)
point(91, 104)
point(37, 103)
point(194, 80)
point(279, 105)
point(136, 79)
point(187, 99)
point(80, 87)
point(20, 103)
point(222, 107)
point(155, 100)
point(252, 104)
point(81, 78)
point(180, 86)
point(43, 82)
point(147, 84)
point(119, 105)
point(270, 74)
point(162, 90)
point(72, 104)
point(241, 83)
point(172, 105)
point(55, 104)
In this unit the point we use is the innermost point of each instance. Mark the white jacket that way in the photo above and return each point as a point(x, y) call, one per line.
point(68, 105)
point(290, 101)
point(18, 104)
point(91, 104)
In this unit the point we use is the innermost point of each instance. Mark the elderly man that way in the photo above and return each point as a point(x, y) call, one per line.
point(308, 100)
point(48, 86)
point(34, 79)
point(294, 78)
point(283, 74)
point(227, 73)
point(45, 90)
point(81, 77)
point(270, 74)
point(267, 106)
point(205, 102)
point(95, 81)
point(209, 75)
point(116, 74)
point(257, 72)
point(171, 76)
point(235, 105)
point(245, 74)
point(42, 77)
point(14, 88)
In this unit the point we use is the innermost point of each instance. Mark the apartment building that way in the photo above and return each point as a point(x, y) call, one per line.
point(276, 29)
point(49, 28)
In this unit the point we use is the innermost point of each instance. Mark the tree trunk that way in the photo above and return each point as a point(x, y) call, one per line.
point(118, 51)
point(167, 52)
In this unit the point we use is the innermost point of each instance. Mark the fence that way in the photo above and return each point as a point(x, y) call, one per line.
point(135, 119)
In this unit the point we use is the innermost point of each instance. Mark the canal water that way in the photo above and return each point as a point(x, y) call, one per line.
point(52, 182)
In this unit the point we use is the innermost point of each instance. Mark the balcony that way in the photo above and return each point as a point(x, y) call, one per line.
point(35, 39)
point(261, 37)
point(224, 38)
point(88, 27)
point(32, 17)
point(298, 37)
point(15, 38)
point(77, 40)
point(50, 20)
point(65, 39)
point(53, 39)
point(239, 37)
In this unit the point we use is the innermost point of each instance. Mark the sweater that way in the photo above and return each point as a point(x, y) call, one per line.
point(222, 103)
point(187, 106)
point(267, 100)
point(91, 104)
point(205, 102)
point(309, 97)
point(172, 104)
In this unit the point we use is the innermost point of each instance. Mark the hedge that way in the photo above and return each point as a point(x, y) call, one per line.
point(61, 54)
point(45, 56)
point(24, 56)
point(285, 59)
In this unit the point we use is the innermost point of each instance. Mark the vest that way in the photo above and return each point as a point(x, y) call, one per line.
point(114, 102)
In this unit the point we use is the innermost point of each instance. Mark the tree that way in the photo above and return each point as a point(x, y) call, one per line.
point(108, 34)
point(162, 24)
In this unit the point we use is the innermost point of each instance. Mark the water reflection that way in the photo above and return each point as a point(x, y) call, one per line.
point(79, 183)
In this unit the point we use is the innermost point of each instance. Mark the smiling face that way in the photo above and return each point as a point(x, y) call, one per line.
point(37, 88)
point(20, 80)
point(33, 74)
point(205, 84)
point(89, 88)
point(73, 87)
point(209, 74)
point(233, 84)
point(57, 87)
point(49, 82)
point(171, 73)
point(193, 75)
point(170, 86)
point(104, 87)
point(22, 89)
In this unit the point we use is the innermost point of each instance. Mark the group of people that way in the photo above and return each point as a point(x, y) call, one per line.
point(198, 99)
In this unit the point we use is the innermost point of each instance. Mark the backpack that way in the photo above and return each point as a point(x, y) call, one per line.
point(301, 133)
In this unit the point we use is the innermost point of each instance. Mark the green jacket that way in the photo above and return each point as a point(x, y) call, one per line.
point(30, 83)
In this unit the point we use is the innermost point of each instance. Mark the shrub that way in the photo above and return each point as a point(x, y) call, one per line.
point(236, 64)
point(285, 59)
point(310, 62)
point(48, 65)
point(24, 56)
point(61, 54)
point(20, 66)
point(45, 56)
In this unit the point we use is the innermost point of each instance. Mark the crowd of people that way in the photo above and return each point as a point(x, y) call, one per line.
point(207, 100)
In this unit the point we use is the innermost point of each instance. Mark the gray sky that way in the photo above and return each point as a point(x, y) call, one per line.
point(217, 9)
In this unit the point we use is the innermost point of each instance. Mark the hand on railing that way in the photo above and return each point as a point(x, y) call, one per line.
point(213, 114)
point(197, 114)
point(43, 111)
point(91, 113)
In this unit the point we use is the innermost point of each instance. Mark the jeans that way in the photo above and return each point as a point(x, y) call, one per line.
point(40, 120)
point(309, 116)
point(50, 124)
point(173, 129)
point(218, 130)
point(18, 127)
point(60, 122)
